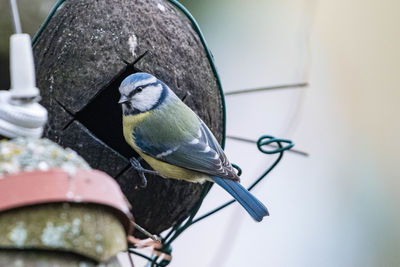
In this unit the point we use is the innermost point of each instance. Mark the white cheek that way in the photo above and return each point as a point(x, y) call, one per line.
point(147, 98)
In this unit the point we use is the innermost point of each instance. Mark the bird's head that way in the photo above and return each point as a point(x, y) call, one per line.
point(141, 92)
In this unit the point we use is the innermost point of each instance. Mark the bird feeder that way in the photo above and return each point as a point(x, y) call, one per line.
point(83, 53)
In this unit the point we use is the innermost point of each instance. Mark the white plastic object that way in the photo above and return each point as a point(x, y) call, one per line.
point(22, 70)
point(27, 119)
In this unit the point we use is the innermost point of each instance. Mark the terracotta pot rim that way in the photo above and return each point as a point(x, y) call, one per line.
point(58, 186)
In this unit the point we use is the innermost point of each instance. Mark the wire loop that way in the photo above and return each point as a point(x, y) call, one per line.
point(239, 170)
point(266, 140)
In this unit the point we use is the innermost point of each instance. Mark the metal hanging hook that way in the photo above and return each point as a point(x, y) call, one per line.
point(15, 16)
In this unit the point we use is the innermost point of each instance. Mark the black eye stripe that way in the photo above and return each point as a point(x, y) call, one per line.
point(132, 93)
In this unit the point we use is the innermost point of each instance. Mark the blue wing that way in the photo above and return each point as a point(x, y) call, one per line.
point(197, 151)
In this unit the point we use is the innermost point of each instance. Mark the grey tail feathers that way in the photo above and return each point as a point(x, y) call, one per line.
point(252, 205)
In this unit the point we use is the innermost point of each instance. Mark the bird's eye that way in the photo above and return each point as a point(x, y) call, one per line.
point(139, 89)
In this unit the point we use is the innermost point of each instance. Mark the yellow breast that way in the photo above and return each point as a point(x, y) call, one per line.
point(129, 123)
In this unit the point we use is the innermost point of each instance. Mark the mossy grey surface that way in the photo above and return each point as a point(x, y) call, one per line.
point(89, 230)
point(25, 154)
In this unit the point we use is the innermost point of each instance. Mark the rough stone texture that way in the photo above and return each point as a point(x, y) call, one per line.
point(89, 230)
point(39, 258)
point(80, 64)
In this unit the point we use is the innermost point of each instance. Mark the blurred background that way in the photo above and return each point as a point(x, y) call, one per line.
point(340, 205)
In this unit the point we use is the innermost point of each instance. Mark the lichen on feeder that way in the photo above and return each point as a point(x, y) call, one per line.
point(88, 230)
point(29, 154)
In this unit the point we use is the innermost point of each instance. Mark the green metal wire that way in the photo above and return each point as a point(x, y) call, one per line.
point(130, 250)
point(263, 141)
point(44, 24)
point(268, 88)
point(280, 150)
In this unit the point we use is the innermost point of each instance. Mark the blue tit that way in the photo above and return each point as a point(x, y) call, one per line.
point(174, 141)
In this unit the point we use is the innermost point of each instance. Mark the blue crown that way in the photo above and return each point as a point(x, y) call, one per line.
point(133, 78)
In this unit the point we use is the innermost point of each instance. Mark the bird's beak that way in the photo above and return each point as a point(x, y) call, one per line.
point(123, 99)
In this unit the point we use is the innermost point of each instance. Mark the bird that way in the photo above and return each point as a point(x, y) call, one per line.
point(174, 141)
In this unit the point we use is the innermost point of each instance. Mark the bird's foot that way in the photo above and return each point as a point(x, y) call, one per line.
point(135, 162)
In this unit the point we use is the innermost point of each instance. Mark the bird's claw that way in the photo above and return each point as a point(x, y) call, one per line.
point(141, 171)
point(143, 179)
